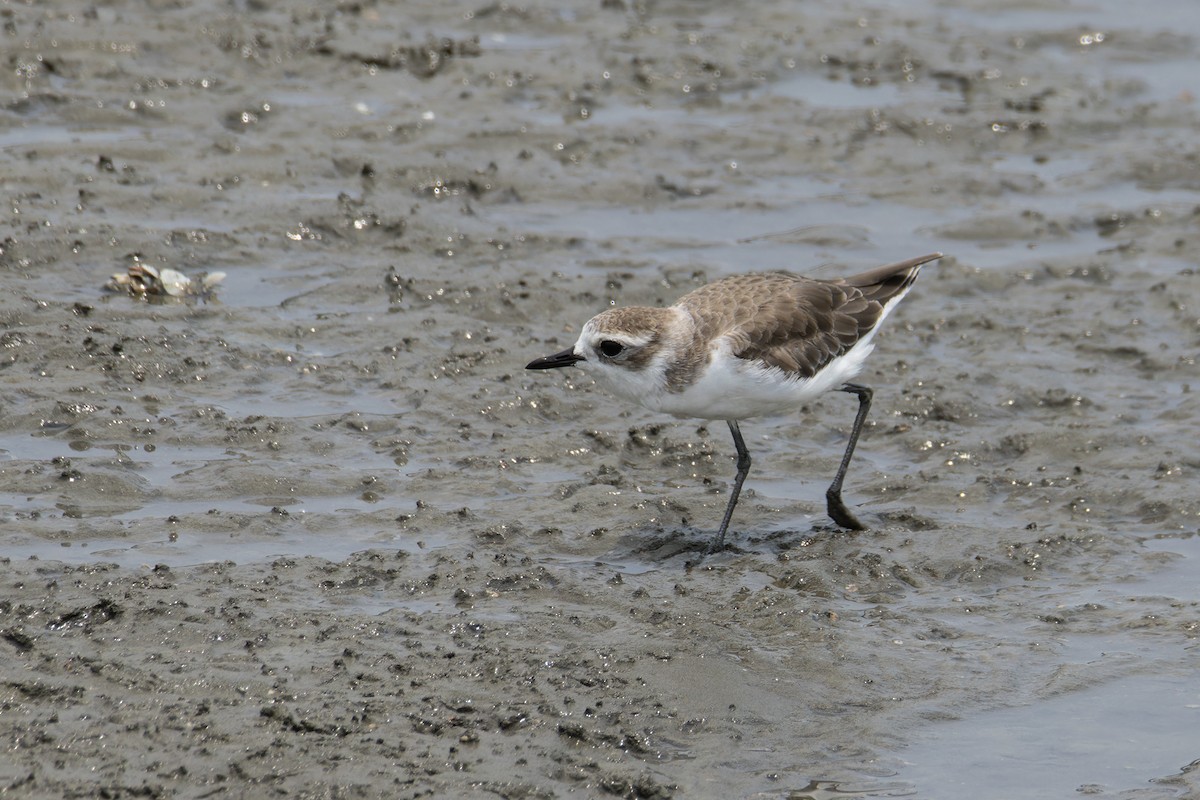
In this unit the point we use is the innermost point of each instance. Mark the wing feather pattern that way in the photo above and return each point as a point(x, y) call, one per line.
point(794, 323)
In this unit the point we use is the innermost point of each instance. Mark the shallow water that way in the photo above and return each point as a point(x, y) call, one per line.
point(1118, 736)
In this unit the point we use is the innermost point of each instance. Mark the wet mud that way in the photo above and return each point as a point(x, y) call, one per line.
point(317, 533)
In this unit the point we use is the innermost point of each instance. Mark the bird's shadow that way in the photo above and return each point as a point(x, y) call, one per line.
point(661, 545)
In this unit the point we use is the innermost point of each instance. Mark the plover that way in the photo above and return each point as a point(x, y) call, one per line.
point(746, 346)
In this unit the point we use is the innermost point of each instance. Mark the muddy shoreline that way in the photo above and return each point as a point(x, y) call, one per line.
point(320, 534)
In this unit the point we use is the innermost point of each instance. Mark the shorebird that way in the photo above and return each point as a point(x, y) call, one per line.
point(746, 346)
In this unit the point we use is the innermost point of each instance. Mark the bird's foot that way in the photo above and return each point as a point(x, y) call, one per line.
point(716, 545)
point(840, 514)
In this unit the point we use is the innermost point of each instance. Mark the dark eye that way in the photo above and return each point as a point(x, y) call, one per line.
point(610, 348)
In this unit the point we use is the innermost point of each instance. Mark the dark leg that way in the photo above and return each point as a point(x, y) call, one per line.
point(743, 469)
point(833, 495)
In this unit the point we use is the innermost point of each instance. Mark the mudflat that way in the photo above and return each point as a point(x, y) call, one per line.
point(315, 532)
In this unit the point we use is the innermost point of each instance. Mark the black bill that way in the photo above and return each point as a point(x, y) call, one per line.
point(564, 359)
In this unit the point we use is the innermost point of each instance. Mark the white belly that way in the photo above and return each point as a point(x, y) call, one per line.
point(732, 388)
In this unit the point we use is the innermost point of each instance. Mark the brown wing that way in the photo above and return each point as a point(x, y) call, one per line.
point(799, 324)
